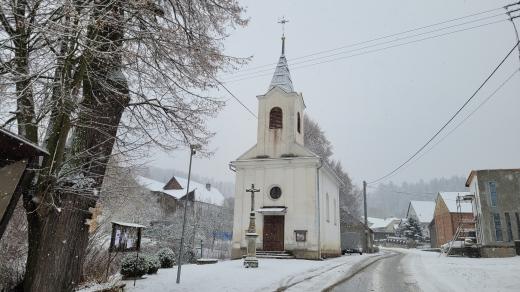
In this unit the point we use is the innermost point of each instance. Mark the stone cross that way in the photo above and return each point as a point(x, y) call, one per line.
point(283, 21)
point(252, 190)
point(251, 261)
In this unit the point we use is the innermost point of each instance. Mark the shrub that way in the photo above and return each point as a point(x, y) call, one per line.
point(153, 264)
point(166, 257)
point(131, 266)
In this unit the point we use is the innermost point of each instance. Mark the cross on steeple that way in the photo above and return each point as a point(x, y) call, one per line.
point(283, 21)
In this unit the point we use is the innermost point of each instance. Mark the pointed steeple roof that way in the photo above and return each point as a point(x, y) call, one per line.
point(282, 76)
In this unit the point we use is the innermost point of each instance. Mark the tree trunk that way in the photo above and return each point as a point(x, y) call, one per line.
point(58, 236)
point(57, 244)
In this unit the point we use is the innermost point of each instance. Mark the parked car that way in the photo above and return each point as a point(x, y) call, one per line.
point(352, 250)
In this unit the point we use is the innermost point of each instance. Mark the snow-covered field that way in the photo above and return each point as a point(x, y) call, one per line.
point(272, 274)
point(434, 273)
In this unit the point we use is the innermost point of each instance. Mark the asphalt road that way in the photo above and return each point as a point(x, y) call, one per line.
point(387, 275)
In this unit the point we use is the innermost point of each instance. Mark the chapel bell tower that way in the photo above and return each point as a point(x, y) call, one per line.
point(280, 114)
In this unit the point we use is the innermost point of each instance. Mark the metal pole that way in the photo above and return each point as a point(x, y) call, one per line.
point(179, 257)
point(367, 233)
point(201, 249)
point(135, 266)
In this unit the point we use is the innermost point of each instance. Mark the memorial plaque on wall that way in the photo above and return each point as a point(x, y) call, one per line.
point(125, 237)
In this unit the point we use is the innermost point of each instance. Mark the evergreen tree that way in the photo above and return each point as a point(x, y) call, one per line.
point(412, 230)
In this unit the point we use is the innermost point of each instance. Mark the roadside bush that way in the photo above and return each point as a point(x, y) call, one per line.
point(166, 257)
point(153, 264)
point(131, 266)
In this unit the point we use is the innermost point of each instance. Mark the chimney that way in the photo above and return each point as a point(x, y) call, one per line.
point(208, 186)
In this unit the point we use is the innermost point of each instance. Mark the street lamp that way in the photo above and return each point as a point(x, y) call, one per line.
point(193, 150)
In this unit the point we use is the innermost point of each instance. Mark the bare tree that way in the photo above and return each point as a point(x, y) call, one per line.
point(316, 140)
point(91, 79)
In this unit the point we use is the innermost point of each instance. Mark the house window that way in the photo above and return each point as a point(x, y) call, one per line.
point(275, 118)
point(493, 193)
point(509, 227)
point(298, 124)
point(327, 203)
point(275, 193)
point(498, 227)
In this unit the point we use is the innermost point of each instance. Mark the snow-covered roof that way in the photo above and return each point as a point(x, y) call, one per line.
point(375, 223)
point(129, 224)
point(423, 209)
point(282, 76)
point(202, 194)
point(450, 199)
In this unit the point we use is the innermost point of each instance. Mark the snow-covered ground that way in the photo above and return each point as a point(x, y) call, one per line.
point(272, 274)
point(439, 273)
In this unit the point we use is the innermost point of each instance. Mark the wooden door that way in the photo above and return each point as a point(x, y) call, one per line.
point(273, 233)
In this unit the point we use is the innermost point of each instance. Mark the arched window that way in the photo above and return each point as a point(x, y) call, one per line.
point(275, 118)
point(327, 206)
point(298, 124)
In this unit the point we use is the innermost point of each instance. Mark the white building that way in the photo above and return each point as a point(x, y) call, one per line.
point(176, 188)
point(298, 203)
point(422, 211)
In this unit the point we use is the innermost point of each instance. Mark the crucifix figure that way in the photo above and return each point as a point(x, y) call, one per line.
point(252, 190)
point(251, 261)
point(283, 21)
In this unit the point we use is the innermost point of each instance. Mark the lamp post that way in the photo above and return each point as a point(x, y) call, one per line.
point(251, 261)
point(193, 150)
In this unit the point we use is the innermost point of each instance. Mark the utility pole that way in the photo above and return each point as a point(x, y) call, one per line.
point(512, 18)
point(367, 233)
point(193, 150)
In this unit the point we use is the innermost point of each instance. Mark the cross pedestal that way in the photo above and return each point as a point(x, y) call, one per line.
point(251, 261)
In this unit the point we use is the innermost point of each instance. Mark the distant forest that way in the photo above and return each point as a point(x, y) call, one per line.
point(391, 200)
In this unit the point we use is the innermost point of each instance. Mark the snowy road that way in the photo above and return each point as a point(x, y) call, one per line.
point(386, 274)
point(272, 275)
point(415, 270)
point(390, 270)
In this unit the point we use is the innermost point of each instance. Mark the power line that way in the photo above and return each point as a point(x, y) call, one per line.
point(466, 118)
point(377, 38)
point(236, 98)
point(369, 46)
point(472, 112)
point(449, 121)
point(403, 192)
point(370, 51)
point(375, 50)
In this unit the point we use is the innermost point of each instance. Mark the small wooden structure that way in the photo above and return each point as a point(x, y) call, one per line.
point(17, 154)
point(125, 237)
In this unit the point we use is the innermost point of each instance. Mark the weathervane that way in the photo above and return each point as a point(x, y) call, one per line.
point(283, 21)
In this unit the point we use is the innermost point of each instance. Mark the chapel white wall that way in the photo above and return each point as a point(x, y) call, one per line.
point(298, 184)
point(330, 225)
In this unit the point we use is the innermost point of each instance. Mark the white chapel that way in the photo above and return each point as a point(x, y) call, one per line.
point(297, 207)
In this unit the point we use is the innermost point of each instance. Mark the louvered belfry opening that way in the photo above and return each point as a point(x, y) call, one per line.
point(275, 118)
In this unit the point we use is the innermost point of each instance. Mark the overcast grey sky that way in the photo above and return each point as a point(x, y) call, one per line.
point(377, 108)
